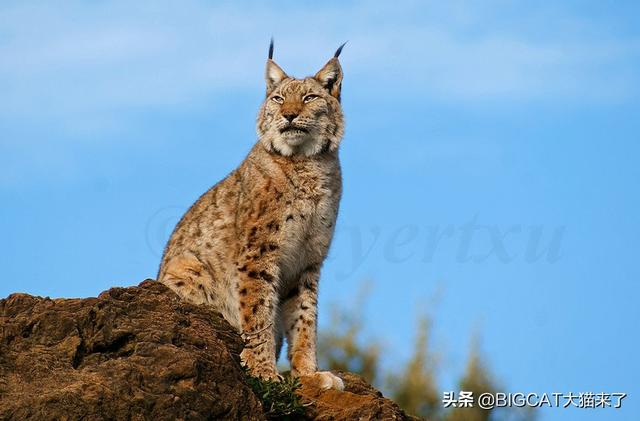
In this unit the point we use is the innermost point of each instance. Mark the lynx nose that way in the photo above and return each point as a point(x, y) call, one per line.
point(290, 116)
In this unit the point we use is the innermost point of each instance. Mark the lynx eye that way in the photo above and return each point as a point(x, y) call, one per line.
point(309, 98)
point(278, 99)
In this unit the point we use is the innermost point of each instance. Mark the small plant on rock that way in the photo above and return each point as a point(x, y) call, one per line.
point(279, 398)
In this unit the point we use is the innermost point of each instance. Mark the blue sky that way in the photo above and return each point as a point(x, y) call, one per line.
point(490, 164)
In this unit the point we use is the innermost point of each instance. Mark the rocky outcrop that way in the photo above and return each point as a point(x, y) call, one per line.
point(141, 353)
point(358, 401)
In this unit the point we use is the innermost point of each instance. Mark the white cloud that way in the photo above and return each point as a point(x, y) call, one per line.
point(74, 62)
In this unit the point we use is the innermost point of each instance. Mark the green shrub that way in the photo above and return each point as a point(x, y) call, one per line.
point(278, 398)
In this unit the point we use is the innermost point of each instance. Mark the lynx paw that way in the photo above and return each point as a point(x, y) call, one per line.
point(257, 369)
point(326, 380)
point(266, 374)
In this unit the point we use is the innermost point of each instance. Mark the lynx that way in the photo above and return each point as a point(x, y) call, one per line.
point(252, 246)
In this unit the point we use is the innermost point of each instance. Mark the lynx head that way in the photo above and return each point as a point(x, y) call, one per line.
point(302, 116)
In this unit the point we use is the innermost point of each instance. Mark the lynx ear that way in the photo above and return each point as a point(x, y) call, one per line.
point(274, 74)
point(330, 76)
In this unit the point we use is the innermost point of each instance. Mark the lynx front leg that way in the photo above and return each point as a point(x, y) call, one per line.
point(258, 301)
point(188, 277)
point(300, 323)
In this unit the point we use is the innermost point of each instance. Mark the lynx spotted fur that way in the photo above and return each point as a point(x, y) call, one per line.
point(253, 245)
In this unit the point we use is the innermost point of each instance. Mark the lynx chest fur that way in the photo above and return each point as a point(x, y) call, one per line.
point(307, 214)
point(253, 245)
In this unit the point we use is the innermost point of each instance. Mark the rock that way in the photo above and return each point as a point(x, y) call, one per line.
point(141, 353)
point(358, 401)
point(132, 353)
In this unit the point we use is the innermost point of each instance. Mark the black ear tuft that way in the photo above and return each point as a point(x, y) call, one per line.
point(274, 74)
point(339, 50)
point(271, 49)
